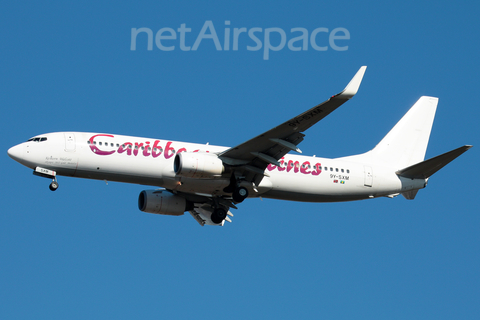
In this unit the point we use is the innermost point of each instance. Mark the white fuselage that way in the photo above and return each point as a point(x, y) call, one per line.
point(150, 162)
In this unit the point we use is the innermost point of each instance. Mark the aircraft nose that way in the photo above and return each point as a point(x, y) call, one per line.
point(16, 152)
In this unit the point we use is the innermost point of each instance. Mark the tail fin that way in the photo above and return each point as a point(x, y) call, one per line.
point(406, 144)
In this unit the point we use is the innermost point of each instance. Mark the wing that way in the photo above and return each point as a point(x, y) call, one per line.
point(253, 156)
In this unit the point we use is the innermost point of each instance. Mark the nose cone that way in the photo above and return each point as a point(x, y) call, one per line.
point(16, 153)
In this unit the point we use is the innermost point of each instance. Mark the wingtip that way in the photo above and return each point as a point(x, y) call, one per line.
point(352, 87)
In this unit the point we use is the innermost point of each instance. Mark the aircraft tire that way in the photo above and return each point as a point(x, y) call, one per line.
point(218, 215)
point(53, 186)
point(240, 194)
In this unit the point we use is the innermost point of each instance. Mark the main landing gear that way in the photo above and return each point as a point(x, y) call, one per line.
point(220, 210)
point(238, 193)
point(218, 215)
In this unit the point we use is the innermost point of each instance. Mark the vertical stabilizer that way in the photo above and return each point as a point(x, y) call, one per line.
point(406, 144)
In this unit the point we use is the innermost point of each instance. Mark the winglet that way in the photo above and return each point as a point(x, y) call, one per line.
point(352, 87)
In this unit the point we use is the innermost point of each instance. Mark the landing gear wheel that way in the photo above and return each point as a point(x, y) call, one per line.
point(53, 186)
point(240, 194)
point(218, 215)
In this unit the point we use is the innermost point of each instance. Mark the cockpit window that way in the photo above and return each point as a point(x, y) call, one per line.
point(37, 139)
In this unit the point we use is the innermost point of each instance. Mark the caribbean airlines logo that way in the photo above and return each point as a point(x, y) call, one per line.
point(105, 147)
point(106, 144)
point(240, 38)
point(295, 166)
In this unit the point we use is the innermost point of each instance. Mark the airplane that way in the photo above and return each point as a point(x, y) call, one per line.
point(207, 181)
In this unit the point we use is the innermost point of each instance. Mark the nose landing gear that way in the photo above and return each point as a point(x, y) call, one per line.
point(54, 185)
point(46, 173)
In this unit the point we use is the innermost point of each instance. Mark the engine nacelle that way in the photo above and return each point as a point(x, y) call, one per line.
point(161, 202)
point(198, 165)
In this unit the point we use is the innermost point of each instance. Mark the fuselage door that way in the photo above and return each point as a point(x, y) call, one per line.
point(69, 142)
point(368, 176)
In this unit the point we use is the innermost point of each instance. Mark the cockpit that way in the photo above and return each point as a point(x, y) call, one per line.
point(37, 139)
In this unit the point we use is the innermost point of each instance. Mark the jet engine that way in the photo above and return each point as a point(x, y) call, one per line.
point(162, 202)
point(198, 165)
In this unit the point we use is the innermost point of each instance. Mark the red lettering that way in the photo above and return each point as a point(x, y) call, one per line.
point(137, 146)
point(168, 149)
point(147, 149)
point(271, 167)
point(318, 169)
point(181, 150)
point(293, 165)
point(127, 146)
point(305, 167)
point(157, 150)
point(282, 163)
point(94, 148)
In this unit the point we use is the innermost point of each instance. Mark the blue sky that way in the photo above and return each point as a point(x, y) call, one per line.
point(87, 252)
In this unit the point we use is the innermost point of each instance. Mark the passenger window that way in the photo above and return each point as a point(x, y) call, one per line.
point(331, 169)
point(342, 170)
point(348, 171)
point(336, 169)
point(100, 143)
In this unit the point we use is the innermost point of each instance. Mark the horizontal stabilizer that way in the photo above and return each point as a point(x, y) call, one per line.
point(428, 167)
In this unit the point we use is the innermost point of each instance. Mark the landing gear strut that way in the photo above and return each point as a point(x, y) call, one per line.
point(47, 173)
